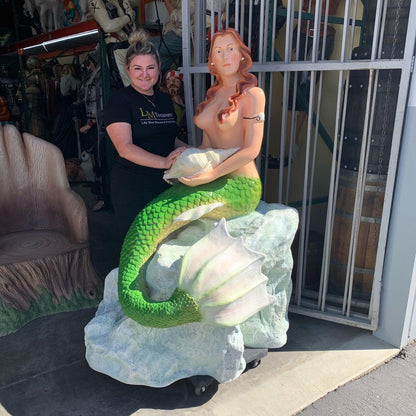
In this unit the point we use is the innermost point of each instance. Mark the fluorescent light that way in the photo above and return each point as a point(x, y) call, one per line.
point(63, 39)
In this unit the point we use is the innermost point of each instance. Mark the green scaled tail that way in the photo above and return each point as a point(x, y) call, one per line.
point(235, 196)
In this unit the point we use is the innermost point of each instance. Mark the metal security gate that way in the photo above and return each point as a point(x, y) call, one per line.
point(336, 76)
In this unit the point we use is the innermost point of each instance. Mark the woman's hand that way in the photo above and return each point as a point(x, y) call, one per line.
point(172, 156)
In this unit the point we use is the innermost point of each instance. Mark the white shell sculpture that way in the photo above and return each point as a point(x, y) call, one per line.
point(225, 277)
point(194, 161)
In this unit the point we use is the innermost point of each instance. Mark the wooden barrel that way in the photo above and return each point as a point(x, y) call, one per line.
point(384, 117)
point(314, 254)
point(395, 26)
point(367, 238)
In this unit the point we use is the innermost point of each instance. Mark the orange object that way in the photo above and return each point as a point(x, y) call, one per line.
point(4, 111)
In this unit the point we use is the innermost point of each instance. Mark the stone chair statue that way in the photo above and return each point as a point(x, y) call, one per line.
point(45, 263)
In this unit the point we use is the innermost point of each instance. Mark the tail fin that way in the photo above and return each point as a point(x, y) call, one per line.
point(224, 277)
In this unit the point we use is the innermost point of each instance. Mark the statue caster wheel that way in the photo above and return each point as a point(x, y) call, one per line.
point(253, 364)
point(201, 384)
point(253, 357)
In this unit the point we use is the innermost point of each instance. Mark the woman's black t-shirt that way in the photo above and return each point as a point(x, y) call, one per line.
point(153, 128)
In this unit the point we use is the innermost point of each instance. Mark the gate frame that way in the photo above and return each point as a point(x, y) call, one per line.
point(263, 67)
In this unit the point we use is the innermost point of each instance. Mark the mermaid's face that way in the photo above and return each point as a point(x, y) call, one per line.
point(226, 55)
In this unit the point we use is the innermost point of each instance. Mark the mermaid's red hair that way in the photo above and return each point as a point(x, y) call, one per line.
point(249, 80)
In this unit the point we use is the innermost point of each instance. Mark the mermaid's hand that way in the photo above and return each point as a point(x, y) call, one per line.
point(199, 179)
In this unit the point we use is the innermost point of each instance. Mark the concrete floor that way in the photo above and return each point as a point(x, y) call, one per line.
point(43, 372)
point(43, 369)
point(387, 391)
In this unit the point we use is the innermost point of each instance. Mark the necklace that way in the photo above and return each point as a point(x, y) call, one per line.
point(149, 99)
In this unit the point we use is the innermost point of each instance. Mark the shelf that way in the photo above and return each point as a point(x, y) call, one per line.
point(50, 44)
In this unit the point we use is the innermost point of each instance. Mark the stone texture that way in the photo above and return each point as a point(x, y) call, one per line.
point(133, 354)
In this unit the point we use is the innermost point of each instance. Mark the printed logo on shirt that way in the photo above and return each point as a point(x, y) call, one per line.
point(145, 114)
point(147, 117)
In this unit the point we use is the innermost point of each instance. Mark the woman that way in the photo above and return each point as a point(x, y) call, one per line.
point(141, 123)
point(231, 117)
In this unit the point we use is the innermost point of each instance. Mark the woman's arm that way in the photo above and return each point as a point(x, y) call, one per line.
point(179, 143)
point(254, 104)
point(121, 136)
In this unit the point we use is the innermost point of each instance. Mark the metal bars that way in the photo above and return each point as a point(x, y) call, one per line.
point(331, 76)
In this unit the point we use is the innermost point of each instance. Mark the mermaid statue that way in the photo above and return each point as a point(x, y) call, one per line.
point(232, 121)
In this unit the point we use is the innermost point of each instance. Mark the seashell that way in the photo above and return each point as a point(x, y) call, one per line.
point(194, 161)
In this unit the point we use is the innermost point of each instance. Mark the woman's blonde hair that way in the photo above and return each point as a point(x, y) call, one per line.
point(249, 80)
point(140, 44)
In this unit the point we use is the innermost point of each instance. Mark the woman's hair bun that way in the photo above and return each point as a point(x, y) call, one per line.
point(139, 36)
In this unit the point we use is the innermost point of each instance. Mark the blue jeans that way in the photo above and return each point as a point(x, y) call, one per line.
point(170, 48)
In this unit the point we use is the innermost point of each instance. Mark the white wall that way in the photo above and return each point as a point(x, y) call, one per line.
point(398, 297)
